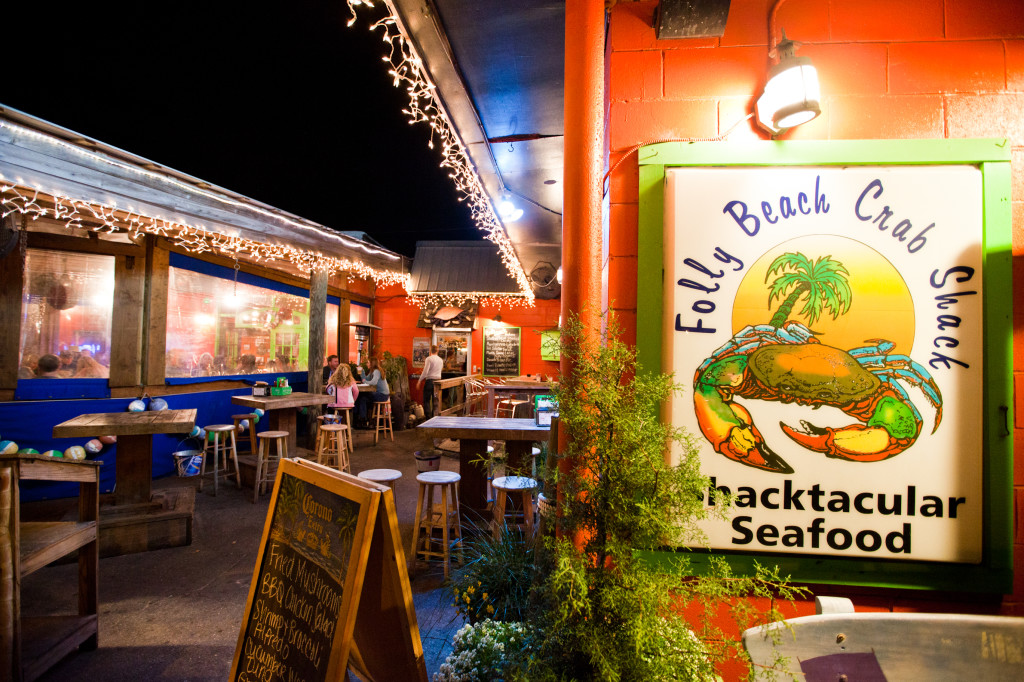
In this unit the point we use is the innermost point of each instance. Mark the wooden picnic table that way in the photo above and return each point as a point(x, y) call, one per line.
point(134, 431)
point(280, 410)
point(473, 434)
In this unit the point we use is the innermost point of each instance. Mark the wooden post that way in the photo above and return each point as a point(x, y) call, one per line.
point(126, 322)
point(9, 611)
point(154, 360)
point(317, 342)
point(12, 281)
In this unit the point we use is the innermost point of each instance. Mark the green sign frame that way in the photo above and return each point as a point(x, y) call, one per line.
point(992, 158)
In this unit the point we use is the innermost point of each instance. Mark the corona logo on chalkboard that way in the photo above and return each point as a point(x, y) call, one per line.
point(830, 320)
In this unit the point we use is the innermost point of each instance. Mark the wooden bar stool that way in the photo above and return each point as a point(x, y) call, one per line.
point(264, 459)
point(382, 417)
point(431, 519)
point(348, 422)
point(218, 450)
point(388, 477)
point(506, 516)
point(238, 419)
point(332, 446)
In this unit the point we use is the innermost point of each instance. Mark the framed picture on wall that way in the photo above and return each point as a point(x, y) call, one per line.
point(420, 351)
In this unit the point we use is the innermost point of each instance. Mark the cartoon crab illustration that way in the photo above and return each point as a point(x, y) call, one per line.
point(786, 363)
point(790, 365)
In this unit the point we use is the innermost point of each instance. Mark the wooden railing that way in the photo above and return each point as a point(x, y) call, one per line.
point(457, 398)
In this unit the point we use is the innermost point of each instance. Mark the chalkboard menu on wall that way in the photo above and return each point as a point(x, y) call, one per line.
point(301, 614)
point(501, 351)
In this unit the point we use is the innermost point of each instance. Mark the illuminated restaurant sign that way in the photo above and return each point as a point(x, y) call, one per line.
point(828, 324)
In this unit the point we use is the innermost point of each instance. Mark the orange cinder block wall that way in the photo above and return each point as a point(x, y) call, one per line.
point(902, 69)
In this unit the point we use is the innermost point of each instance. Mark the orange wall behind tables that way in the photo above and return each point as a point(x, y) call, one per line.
point(899, 69)
point(398, 319)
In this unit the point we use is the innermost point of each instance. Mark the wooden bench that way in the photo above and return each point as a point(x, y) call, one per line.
point(889, 646)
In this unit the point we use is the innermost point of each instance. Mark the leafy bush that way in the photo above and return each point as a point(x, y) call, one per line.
point(598, 608)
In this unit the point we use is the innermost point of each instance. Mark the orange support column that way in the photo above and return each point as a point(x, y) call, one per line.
point(584, 166)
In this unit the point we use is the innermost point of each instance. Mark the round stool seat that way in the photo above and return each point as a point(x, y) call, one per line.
point(251, 415)
point(333, 427)
point(380, 475)
point(272, 434)
point(514, 483)
point(220, 451)
point(435, 477)
point(516, 518)
point(220, 428)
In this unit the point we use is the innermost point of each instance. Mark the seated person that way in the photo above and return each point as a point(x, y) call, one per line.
point(29, 366)
point(330, 368)
point(90, 368)
point(381, 392)
point(49, 367)
point(343, 387)
point(247, 364)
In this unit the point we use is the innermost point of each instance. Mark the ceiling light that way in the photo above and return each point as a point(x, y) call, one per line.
point(792, 95)
point(507, 209)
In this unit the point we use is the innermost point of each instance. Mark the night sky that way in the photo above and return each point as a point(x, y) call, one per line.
point(281, 102)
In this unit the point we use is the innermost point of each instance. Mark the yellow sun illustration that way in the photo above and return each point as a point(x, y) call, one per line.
point(880, 303)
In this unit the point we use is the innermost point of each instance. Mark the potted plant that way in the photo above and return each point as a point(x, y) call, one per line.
point(598, 608)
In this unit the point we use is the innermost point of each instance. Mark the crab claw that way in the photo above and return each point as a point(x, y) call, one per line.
point(746, 446)
point(855, 443)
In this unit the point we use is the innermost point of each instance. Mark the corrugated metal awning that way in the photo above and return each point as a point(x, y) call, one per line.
point(459, 266)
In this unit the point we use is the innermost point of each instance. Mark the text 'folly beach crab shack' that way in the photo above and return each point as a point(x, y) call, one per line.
point(830, 320)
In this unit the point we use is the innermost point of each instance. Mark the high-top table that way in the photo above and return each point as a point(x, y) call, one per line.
point(134, 431)
point(280, 410)
point(139, 520)
point(473, 434)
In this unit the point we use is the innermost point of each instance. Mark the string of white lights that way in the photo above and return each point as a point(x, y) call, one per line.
point(407, 70)
point(96, 216)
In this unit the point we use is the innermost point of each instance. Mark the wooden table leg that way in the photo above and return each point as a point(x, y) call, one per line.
point(134, 469)
point(473, 485)
point(284, 420)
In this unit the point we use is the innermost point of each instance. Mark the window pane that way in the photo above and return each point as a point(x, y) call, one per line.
point(216, 327)
point(331, 332)
point(66, 310)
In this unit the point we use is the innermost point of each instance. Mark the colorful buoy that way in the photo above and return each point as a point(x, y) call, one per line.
point(75, 452)
point(53, 453)
point(137, 406)
point(93, 446)
point(28, 451)
point(8, 447)
point(157, 404)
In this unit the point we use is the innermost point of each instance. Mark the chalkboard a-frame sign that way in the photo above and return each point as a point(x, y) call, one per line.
point(329, 538)
point(501, 351)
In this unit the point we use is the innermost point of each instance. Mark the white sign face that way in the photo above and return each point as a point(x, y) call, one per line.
point(827, 322)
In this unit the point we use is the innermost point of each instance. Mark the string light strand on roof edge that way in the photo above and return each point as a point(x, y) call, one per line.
point(78, 214)
point(406, 69)
point(461, 298)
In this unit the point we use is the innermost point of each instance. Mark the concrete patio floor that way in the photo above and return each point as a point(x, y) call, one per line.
point(175, 614)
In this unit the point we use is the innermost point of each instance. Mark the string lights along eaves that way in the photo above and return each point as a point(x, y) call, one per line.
point(407, 70)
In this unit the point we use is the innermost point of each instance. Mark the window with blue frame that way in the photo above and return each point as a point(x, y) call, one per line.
point(218, 325)
point(66, 310)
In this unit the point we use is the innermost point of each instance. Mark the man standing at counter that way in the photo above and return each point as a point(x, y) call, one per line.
point(431, 373)
point(381, 392)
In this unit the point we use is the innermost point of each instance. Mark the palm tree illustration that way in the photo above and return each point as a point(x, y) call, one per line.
point(822, 284)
